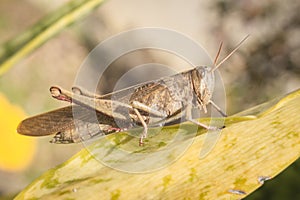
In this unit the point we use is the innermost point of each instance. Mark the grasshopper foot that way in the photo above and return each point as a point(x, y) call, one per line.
point(143, 135)
point(141, 143)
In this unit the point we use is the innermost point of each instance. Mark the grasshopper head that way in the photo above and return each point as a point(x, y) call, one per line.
point(203, 84)
point(203, 78)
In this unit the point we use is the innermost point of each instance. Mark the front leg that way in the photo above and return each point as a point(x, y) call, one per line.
point(217, 108)
point(190, 118)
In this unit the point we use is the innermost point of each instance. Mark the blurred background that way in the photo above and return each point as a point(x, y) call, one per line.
point(265, 67)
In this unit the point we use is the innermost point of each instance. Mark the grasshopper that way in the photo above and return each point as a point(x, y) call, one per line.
point(151, 103)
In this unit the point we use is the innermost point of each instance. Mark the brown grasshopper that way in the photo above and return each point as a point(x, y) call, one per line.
point(152, 103)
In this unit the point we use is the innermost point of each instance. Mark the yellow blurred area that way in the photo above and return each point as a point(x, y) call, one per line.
point(16, 151)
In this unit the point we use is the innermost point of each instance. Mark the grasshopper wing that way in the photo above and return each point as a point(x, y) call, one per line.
point(60, 120)
point(47, 123)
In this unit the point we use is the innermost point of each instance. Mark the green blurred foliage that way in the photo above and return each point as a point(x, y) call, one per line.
point(284, 186)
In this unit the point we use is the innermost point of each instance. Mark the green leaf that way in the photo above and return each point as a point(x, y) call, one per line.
point(250, 149)
point(16, 49)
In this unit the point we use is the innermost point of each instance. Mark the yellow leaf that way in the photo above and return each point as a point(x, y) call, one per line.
point(255, 146)
point(16, 151)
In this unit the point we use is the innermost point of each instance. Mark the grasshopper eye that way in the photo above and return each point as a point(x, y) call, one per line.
point(203, 74)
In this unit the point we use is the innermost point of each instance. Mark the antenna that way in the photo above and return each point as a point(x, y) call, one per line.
point(218, 54)
point(230, 54)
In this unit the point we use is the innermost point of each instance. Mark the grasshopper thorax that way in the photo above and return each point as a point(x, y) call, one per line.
point(203, 84)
